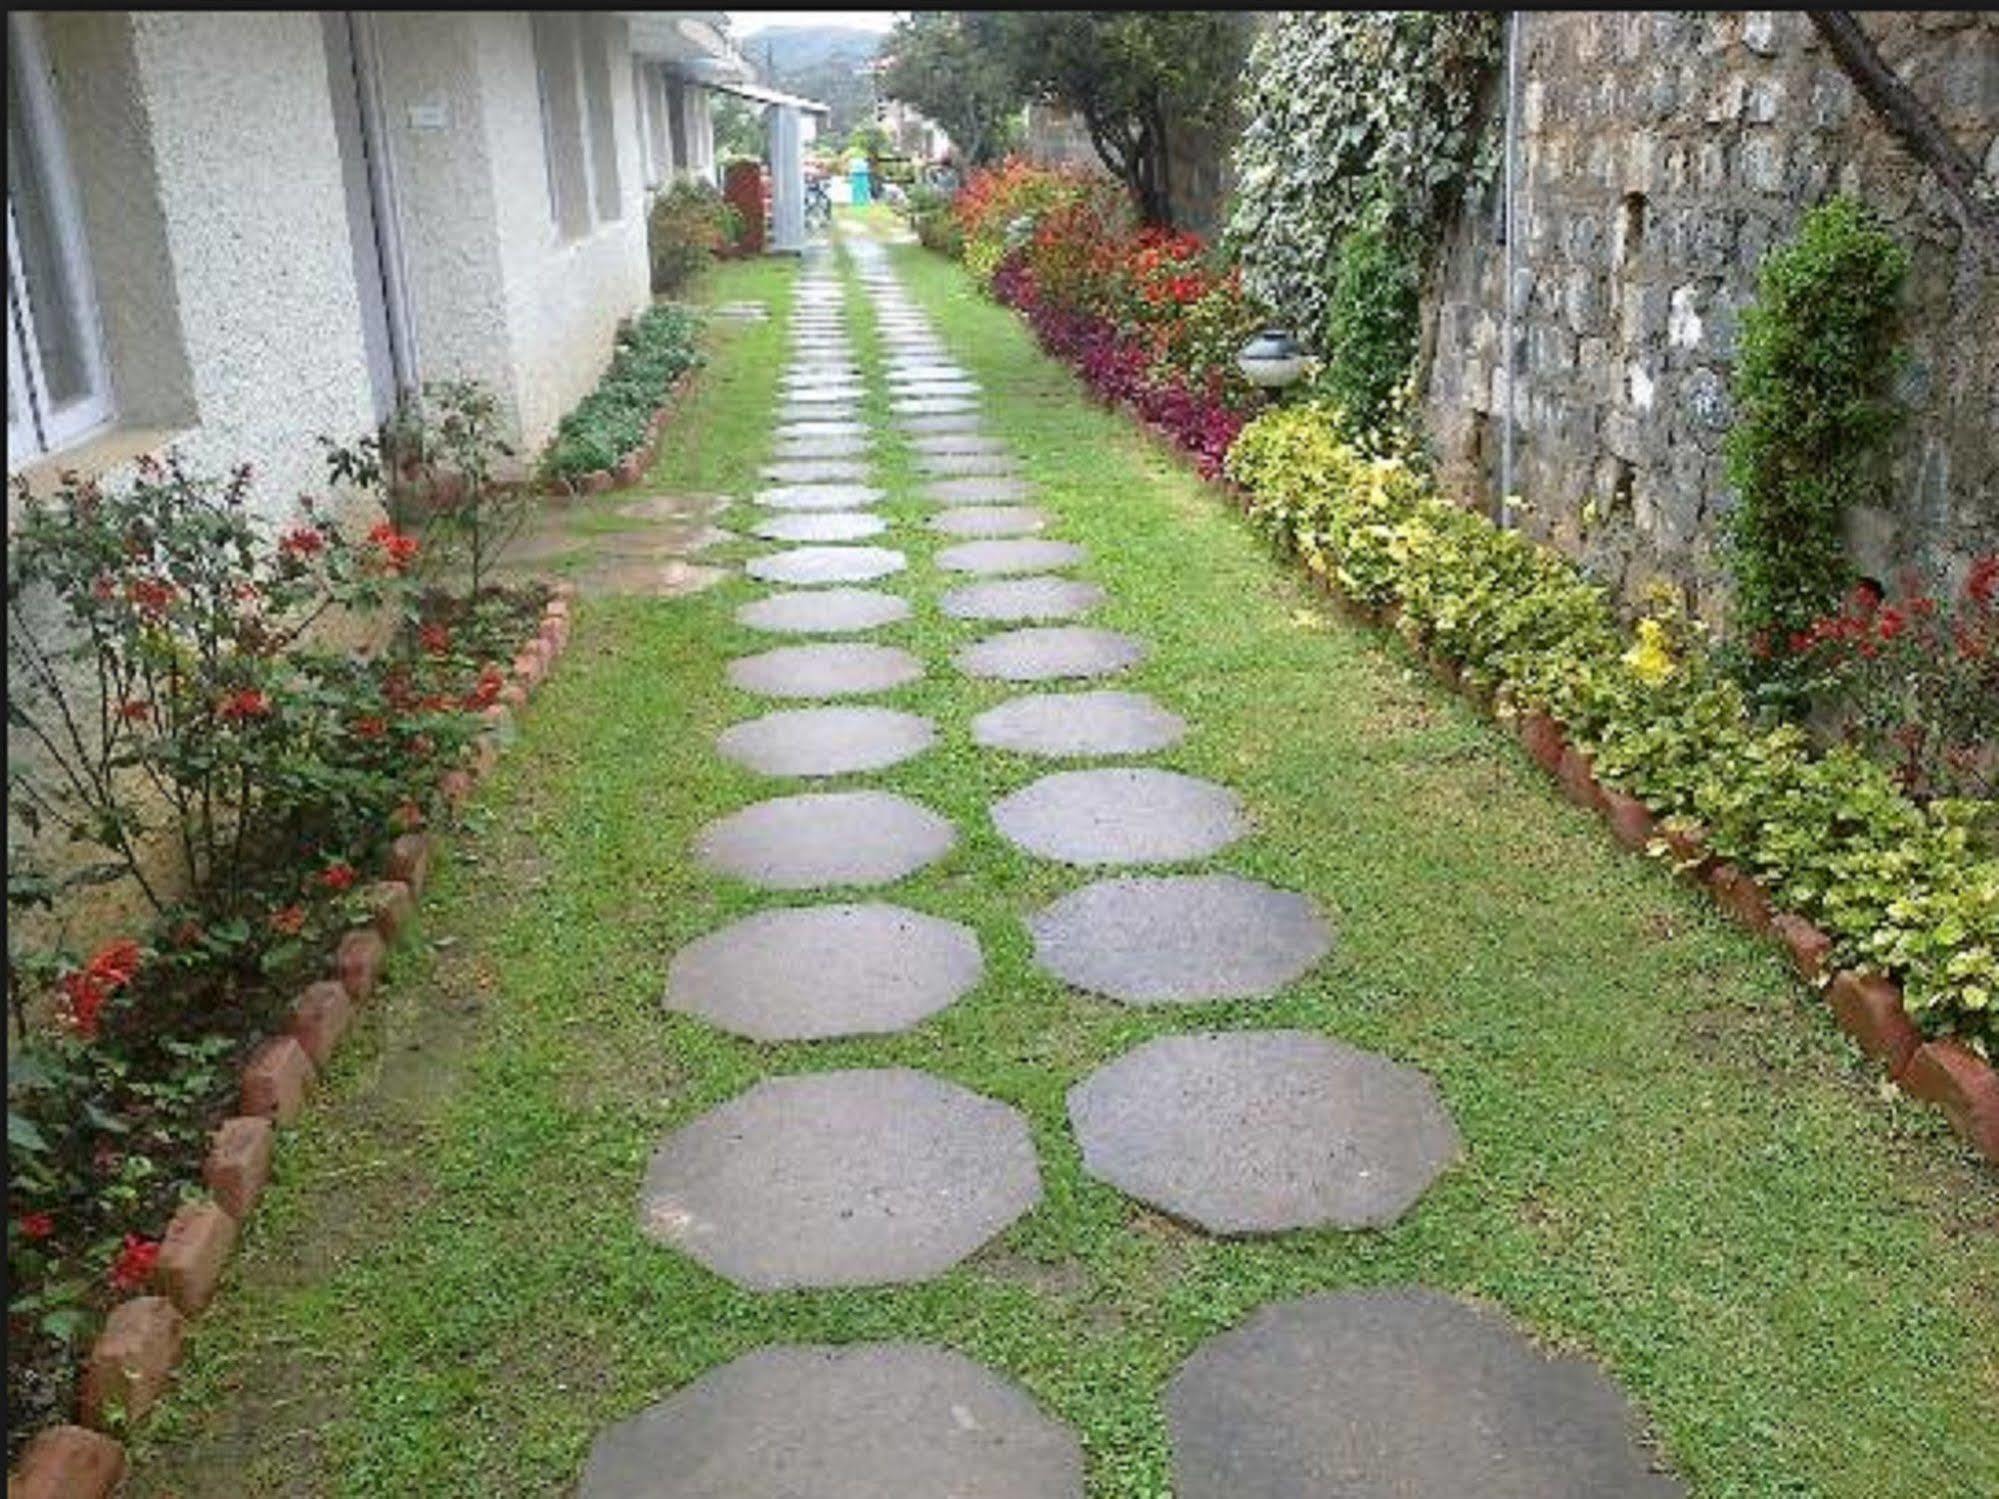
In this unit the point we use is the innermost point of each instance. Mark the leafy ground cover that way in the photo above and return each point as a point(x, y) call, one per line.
point(1670, 1165)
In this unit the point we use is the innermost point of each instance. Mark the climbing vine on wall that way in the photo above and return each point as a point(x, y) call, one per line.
point(1356, 118)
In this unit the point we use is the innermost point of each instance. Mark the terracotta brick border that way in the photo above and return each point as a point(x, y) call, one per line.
point(132, 1362)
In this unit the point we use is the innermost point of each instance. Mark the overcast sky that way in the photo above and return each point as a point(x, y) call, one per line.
point(749, 22)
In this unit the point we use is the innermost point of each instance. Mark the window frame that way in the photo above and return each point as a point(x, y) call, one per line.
point(46, 430)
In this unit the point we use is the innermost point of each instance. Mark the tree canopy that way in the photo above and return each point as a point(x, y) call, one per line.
point(951, 66)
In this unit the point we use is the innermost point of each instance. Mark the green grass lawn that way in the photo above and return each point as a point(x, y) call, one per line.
point(1673, 1162)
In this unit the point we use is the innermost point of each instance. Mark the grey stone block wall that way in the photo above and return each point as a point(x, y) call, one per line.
point(1661, 154)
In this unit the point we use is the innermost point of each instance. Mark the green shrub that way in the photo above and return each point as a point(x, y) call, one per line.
point(1811, 392)
point(610, 422)
point(1908, 889)
point(688, 226)
point(1371, 336)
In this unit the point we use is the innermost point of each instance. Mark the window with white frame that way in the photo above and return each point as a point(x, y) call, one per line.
point(58, 390)
point(563, 143)
point(603, 137)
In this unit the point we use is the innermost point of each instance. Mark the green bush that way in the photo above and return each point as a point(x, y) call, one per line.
point(1371, 337)
point(689, 225)
point(610, 422)
point(1811, 390)
point(1911, 890)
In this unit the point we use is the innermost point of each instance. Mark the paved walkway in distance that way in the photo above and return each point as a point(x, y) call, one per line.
point(878, 1176)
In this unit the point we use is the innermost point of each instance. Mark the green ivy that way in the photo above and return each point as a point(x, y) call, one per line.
point(1371, 337)
point(1817, 357)
point(1911, 890)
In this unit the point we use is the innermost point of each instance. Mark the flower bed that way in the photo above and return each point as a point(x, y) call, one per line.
point(1145, 315)
point(181, 712)
point(1643, 727)
point(610, 436)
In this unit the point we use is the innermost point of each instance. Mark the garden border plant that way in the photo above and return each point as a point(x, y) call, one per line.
point(612, 437)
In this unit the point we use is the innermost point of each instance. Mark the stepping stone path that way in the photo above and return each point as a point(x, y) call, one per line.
point(824, 840)
point(830, 611)
point(834, 670)
point(1067, 725)
point(810, 972)
point(1016, 599)
point(853, 1422)
point(1403, 1391)
point(1125, 816)
point(1043, 654)
point(1179, 939)
point(816, 1179)
point(865, 1178)
point(826, 741)
point(808, 566)
point(1259, 1132)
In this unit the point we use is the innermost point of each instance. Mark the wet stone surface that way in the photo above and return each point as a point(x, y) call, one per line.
point(820, 496)
point(824, 840)
point(1017, 600)
point(949, 422)
point(841, 669)
point(956, 442)
point(820, 525)
point(805, 429)
point(858, 1421)
point(1400, 1391)
point(1042, 654)
point(1066, 725)
point(989, 520)
point(808, 566)
point(826, 741)
point(813, 972)
point(1261, 1132)
point(862, 1178)
point(978, 491)
point(967, 465)
point(809, 449)
point(1126, 815)
point(932, 405)
point(989, 557)
point(1179, 939)
point(831, 611)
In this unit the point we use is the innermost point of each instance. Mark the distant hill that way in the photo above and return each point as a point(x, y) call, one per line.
point(821, 62)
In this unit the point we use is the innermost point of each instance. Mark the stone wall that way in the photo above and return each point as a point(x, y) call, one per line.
point(1661, 153)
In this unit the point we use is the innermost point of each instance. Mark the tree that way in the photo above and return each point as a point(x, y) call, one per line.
point(950, 66)
point(1133, 76)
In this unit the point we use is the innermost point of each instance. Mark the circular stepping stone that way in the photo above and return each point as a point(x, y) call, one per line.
point(967, 465)
point(1017, 599)
point(1401, 1391)
point(807, 449)
point(917, 390)
point(911, 371)
point(843, 670)
point(823, 840)
point(1064, 725)
point(820, 525)
point(956, 442)
point(847, 412)
point(988, 490)
point(816, 427)
point(1179, 939)
point(826, 741)
point(807, 566)
point(1045, 654)
point(850, 1422)
point(989, 520)
point(952, 421)
point(825, 394)
point(833, 611)
point(1261, 1132)
point(820, 496)
point(1009, 556)
point(1129, 815)
point(820, 971)
point(862, 1178)
point(932, 405)
point(816, 470)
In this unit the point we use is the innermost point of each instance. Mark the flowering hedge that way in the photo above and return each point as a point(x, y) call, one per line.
point(1906, 888)
point(1147, 316)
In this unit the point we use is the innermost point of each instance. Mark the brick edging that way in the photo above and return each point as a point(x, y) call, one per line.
point(135, 1355)
point(1866, 1005)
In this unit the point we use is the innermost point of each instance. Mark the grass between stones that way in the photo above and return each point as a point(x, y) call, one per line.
point(1673, 1164)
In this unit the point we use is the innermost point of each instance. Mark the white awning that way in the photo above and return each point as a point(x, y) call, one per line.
point(757, 93)
point(693, 43)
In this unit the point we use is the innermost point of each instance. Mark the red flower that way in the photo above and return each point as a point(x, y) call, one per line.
point(302, 542)
point(36, 1225)
point(152, 596)
point(84, 997)
point(398, 550)
point(135, 711)
point(134, 1265)
point(339, 876)
point(115, 963)
point(490, 685)
point(1983, 581)
point(371, 726)
point(289, 920)
point(243, 705)
point(436, 639)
